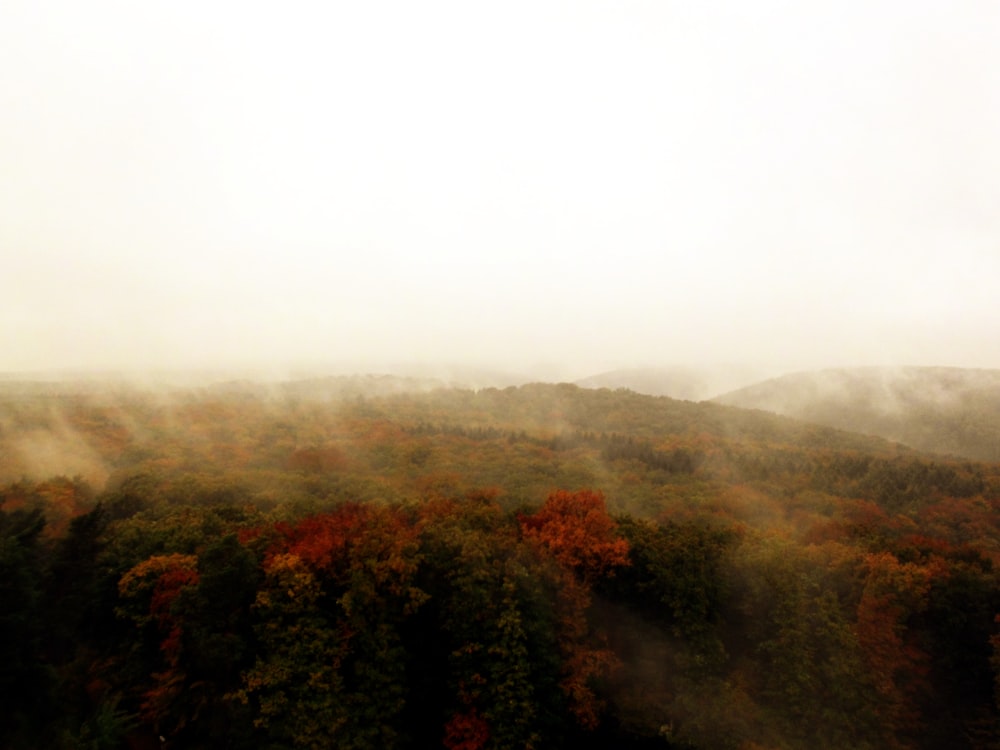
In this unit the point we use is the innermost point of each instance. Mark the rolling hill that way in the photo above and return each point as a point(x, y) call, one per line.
point(381, 562)
point(687, 383)
point(945, 410)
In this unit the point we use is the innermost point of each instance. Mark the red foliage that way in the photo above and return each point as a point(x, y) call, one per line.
point(466, 731)
point(168, 575)
point(576, 529)
point(168, 586)
point(892, 593)
point(319, 540)
point(248, 535)
point(352, 537)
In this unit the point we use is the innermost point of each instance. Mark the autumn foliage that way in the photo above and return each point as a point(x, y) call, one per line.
point(466, 731)
point(396, 571)
point(162, 578)
point(576, 529)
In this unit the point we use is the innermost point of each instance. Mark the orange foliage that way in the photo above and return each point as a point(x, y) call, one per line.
point(320, 540)
point(350, 537)
point(576, 529)
point(893, 591)
point(61, 498)
point(586, 655)
point(169, 575)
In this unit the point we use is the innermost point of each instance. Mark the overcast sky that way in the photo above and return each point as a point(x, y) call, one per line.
point(581, 184)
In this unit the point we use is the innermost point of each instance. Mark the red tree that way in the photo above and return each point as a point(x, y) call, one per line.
point(576, 529)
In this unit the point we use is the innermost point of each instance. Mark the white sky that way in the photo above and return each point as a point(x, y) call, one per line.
point(585, 184)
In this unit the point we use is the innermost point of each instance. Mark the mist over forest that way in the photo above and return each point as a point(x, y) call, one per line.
point(377, 560)
point(538, 374)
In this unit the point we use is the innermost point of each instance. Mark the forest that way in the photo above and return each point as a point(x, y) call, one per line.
point(951, 410)
point(369, 562)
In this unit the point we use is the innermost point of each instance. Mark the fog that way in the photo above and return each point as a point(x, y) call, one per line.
point(559, 188)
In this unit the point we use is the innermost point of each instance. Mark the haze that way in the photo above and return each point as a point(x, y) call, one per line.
point(579, 185)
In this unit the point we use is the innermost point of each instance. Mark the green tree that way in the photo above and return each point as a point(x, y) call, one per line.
point(25, 679)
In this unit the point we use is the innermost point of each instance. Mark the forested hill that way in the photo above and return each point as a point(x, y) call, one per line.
point(81, 429)
point(376, 563)
point(688, 383)
point(945, 410)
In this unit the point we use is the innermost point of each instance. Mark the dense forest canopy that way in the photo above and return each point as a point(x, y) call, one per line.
point(373, 562)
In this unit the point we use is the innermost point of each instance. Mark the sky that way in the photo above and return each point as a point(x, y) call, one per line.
point(574, 185)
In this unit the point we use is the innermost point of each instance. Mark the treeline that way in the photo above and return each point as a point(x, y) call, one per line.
point(450, 623)
point(456, 623)
point(300, 572)
point(951, 411)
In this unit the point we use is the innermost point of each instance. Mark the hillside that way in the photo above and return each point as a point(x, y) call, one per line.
point(944, 410)
point(687, 383)
point(81, 429)
point(380, 562)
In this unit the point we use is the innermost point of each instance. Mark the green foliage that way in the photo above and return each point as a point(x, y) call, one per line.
point(305, 568)
point(25, 683)
point(675, 578)
point(105, 729)
point(491, 617)
point(810, 673)
point(295, 688)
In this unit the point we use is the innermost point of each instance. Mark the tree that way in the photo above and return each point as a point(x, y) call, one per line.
point(294, 689)
point(893, 593)
point(577, 532)
point(25, 681)
point(331, 665)
point(151, 587)
point(576, 529)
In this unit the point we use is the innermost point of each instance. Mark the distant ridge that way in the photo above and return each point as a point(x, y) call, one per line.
point(947, 410)
point(680, 382)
